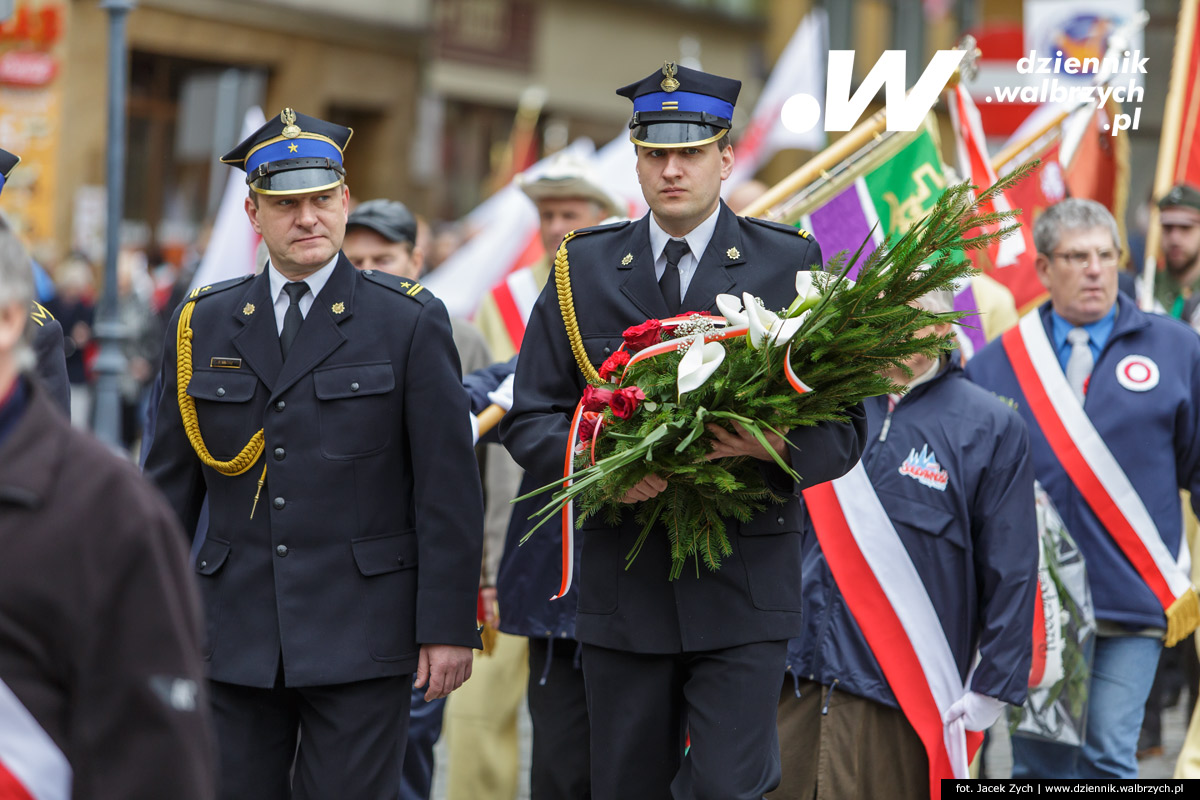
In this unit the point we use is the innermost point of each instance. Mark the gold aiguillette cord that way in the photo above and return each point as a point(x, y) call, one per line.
point(261, 479)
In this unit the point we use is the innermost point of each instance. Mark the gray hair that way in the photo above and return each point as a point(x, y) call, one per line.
point(16, 284)
point(1072, 214)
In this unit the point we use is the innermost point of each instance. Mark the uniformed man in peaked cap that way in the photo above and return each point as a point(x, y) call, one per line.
point(701, 654)
point(47, 332)
point(322, 411)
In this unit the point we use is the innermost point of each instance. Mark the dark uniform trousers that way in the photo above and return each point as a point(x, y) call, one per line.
point(707, 649)
point(561, 759)
point(365, 542)
point(352, 745)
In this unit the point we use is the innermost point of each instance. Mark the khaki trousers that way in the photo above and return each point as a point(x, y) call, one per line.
point(857, 749)
point(481, 724)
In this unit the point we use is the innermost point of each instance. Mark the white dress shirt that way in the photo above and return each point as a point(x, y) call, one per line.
point(697, 241)
point(316, 282)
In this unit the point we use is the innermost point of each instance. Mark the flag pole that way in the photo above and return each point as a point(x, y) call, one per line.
point(1168, 147)
point(1017, 148)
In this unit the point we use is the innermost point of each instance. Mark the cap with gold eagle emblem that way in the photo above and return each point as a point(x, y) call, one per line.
point(680, 107)
point(292, 153)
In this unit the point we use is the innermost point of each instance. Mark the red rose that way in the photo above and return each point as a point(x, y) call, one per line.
point(639, 337)
point(625, 401)
point(589, 424)
point(614, 364)
point(596, 399)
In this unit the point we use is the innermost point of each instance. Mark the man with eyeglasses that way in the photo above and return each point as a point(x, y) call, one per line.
point(1108, 393)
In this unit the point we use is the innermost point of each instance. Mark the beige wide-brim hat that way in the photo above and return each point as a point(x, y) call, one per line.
point(566, 176)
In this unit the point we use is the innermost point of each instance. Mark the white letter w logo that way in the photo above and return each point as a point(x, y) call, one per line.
point(842, 111)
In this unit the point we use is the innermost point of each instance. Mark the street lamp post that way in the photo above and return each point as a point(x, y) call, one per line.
point(110, 360)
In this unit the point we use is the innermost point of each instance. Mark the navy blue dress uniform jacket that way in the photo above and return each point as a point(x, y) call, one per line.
point(973, 541)
point(755, 596)
point(51, 358)
point(367, 537)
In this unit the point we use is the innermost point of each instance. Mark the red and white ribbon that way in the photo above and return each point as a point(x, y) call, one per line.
point(888, 600)
point(1088, 462)
point(32, 767)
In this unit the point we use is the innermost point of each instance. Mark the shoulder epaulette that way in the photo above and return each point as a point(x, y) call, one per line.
point(612, 226)
point(412, 289)
point(40, 314)
point(779, 226)
point(211, 289)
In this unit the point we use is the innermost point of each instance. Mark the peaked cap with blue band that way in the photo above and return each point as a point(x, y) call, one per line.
point(292, 153)
point(7, 162)
point(678, 107)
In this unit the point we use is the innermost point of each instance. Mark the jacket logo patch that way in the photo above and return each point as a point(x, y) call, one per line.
point(924, 468)
point(1137, 373)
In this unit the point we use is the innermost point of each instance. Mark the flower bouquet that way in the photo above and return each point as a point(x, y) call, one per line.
point(766, 370)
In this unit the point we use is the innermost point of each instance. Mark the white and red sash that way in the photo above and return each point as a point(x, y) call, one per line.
point(1088, 462)
point(31, 765)
point(891, 606)
point(514, 298)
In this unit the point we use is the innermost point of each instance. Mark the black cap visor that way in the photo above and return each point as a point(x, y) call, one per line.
point(296, 176)
point(675, 134)
point(393, 233)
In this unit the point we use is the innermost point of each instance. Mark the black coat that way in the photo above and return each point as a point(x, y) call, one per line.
point(755, 596)
point(100, 625)
point(366, 540)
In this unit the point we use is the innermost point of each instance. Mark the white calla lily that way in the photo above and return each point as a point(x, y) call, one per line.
point(759, 319)
point(805, 285)
point(731, 309)
point(698, 364)
point(807, 292)
point(784, 329)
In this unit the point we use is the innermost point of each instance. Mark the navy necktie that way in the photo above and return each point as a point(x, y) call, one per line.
point(668, 284)
point(292, 318)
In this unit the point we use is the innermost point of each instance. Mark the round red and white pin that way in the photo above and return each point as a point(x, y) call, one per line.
point(1137, 373)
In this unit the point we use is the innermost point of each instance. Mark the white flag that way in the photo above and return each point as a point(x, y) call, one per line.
point(800, 70)
point(230, 251)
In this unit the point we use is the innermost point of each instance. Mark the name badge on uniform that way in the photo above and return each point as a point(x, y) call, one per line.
point(226, 362)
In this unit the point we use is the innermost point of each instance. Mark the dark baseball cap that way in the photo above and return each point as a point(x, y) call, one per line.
point(391, 219)
point(1181, 195)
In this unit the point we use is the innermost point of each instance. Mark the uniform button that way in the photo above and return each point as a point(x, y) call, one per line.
point(354, 386)
point(280, 405)
point(607, 349)
point(368, 272)
point(220, 391)
point(203, 564)
point(281, 551)
point(280, 502)
point(779, 519)
point(279, 453)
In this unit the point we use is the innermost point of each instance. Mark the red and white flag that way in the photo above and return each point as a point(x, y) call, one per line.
point(975, 165)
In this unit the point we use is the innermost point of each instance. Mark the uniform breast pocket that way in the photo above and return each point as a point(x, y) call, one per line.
point(601, 346)
point(223, 409)
point(354, 407)
point(769, 547)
